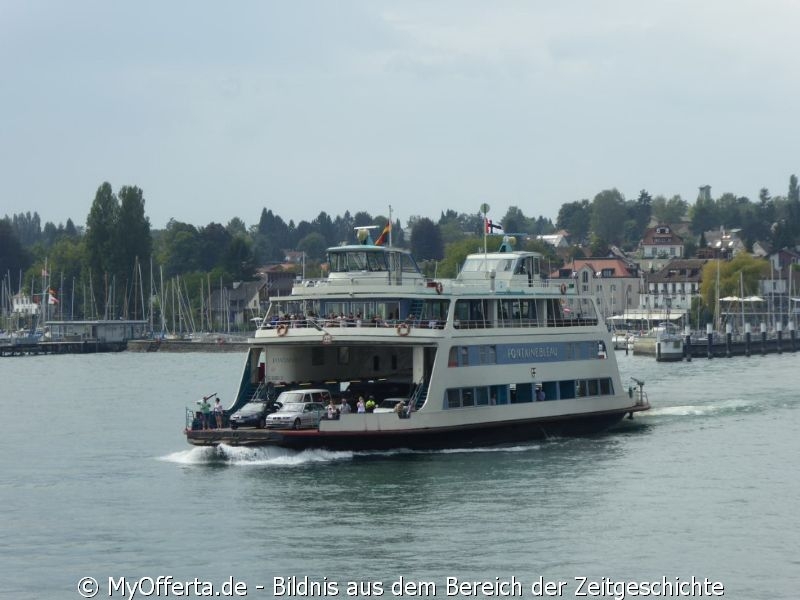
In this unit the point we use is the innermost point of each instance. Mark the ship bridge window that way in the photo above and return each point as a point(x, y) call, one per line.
point(357, 260)
point(400, 261)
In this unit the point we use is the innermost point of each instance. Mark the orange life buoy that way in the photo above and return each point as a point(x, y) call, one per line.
point(282, 329)
point(403, 329)
point(439, 287)
point(563, 288)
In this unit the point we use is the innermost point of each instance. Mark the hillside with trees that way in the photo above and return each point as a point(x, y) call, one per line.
point(104, 268)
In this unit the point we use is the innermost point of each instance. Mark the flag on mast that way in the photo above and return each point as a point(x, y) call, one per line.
point(384, 234)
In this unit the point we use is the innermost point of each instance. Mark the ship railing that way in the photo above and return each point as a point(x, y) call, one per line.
point(333, 323)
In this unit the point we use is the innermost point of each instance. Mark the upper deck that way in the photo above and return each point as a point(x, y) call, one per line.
point(379, 286)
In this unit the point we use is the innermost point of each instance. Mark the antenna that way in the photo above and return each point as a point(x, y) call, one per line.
point(485, 210)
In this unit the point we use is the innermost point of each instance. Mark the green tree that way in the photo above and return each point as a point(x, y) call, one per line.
point(426, 240)
point(179, 248)
point(28, 228)
point(314, 245)
point(669, 211)
point(576, 218)
point(641, 210)
point(13, 257)
point(323, 225)
point(703, 215)
point(101, 245)
point(236, 227)
point(456, 252)
point(213, 241)
point(608, 215)
point(134, 242)
point(515, 221)
point(238, 259)
point(272, 237)
point(744, 265)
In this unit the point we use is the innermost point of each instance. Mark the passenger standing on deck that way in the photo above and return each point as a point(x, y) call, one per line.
point(345, 407)
point(370, 405)
point(218, 412)
point(539, 393)
point(205, 409)
point(360, 405)
point(331, 410)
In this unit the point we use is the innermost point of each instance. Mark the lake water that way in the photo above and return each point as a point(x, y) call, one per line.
point(96, 480)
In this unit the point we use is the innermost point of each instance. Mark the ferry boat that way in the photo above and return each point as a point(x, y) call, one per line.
point(499, 354)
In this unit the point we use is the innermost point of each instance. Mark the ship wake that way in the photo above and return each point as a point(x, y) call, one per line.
point(245, 456)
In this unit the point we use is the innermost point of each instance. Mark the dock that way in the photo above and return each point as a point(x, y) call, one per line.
point(60, 347)
point(674, 348)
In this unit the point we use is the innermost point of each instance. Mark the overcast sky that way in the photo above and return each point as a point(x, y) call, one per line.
point(219, 109)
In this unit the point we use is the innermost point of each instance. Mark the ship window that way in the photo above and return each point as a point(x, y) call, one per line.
point(566, 389)
point(467, 397)
point(605, 386)
point(435, 310)
point(453, 398)
point(498, 394)
point(481, 396)
point(376, 261)
point(464, 352)
point(592, 387)
point(452, 359)
point(488, 355)
point(471, 314)
point(524, 393)
point(387, 310)
point(580, 388)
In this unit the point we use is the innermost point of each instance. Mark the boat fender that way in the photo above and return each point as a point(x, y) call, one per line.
point(439, 287)
point(403, 329)
point(282, 329)
point(563, 288)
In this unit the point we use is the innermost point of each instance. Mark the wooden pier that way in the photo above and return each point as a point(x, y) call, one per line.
point(60, 347)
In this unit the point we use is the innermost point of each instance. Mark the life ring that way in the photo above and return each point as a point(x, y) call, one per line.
point(438, 287)
point(282, 329)
point(563, 288)
point(403, 329)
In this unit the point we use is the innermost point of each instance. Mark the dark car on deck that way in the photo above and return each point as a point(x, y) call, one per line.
point(253, 414)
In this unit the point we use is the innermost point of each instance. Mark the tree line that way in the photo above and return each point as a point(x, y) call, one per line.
point(117, 246)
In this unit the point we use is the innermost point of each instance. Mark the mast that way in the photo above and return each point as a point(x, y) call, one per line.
point(485, 209)
point(150, 297)
point(741, 296)
point(716, 310)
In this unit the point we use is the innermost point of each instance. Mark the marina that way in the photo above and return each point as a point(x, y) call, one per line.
point(675, 347)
